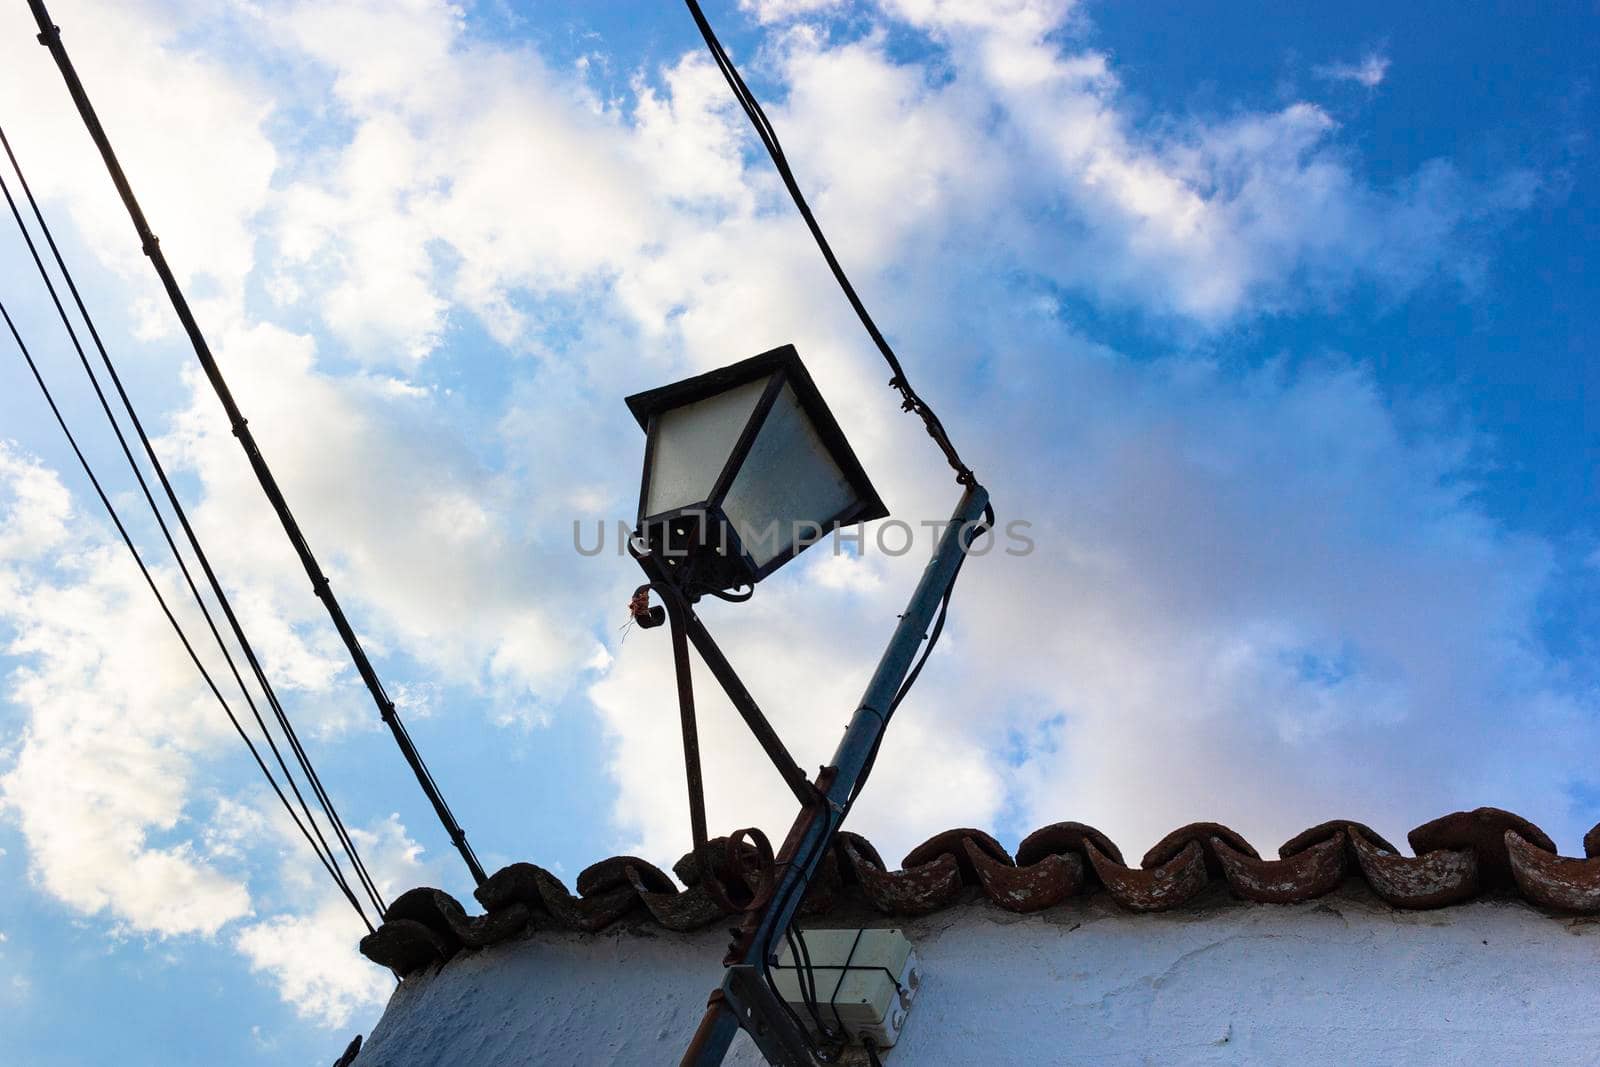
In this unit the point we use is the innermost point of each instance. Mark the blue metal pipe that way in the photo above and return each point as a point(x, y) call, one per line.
point(811, 836)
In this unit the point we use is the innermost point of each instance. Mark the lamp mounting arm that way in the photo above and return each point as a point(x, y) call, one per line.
point(681, 613)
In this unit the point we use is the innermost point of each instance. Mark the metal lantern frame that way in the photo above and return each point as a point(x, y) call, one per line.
point(699, 537)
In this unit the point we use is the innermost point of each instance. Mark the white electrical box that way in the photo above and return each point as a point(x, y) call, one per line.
point(864, 981)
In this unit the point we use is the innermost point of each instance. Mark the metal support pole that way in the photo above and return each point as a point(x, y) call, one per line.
point(683, 615)
point(677, 608)
point(743, 1001)
point(50, 37)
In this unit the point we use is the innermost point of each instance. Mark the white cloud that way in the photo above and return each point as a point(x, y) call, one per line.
point(841, 570)
point(1369, 72)
point(306, 949)
point(1257, 601)
point(115, 720)
point(1021, 20)
point(1204, 219)
point(454, 139)
point(437, 548)
point(189, 133)
point(1253, 596)
point(782, 10)
point(37, 506)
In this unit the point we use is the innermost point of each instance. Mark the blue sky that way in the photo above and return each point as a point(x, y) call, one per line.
point(1276, 326)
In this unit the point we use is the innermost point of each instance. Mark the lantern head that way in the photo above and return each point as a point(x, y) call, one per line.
point(744, 467)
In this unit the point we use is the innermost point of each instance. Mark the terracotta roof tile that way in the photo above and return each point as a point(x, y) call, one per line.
point(1430, 881)
point(911, 890)
point(1064, 838)
point(1202, 833)
point(1554, 881)
point(1458, 857)
point(1311, 872)
point(624, 870)
point(1591, 842)
point(1050, 880)
point(1482, 830)
point(861, 845)
point(1322, 831)
point(1152, 888)
point(950, 842)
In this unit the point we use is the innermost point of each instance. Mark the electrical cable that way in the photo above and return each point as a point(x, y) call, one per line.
point(805, 975)
point(50, 37)
point(324, 801)
point(910, 400)
point(801, 887)
point(161, 600)
point(977, 531)
point(837, 1034)
point(833, 998)
point(324, 852)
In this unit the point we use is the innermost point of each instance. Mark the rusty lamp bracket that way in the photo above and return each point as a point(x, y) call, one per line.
point(680, 612)
point(686, 628)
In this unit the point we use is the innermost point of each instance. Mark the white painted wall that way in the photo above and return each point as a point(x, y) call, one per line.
point(1340, 981)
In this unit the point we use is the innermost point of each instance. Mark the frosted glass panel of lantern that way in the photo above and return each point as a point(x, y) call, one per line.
point(693, 443)
point(788, 479)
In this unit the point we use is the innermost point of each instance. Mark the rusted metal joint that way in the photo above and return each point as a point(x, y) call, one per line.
point(760, 876)
point(747, 860)
point(645, 616)
point(712, 880)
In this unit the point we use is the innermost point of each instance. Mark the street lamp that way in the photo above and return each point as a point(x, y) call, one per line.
point(744, 468)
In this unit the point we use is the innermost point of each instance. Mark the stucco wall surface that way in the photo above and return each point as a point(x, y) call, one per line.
point(1344, 980)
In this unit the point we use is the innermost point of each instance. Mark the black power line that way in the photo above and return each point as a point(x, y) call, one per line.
point(910, 400)
point(329, 811)
point(50, 37)
point(188, 647)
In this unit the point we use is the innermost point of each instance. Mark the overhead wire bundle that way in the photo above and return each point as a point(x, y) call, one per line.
point(304, 820)
point(50, 37)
